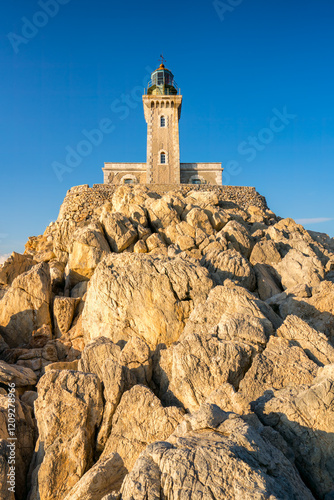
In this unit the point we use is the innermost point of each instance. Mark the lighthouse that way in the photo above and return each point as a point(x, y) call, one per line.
point(162, 101)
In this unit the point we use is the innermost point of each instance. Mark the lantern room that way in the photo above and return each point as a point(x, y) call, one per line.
point(162, 82)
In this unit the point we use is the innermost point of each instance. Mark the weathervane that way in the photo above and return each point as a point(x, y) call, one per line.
point(163, 60)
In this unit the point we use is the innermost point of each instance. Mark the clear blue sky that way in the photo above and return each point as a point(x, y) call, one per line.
point(238, 67)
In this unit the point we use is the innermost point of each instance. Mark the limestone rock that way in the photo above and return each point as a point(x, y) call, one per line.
point(130, 203)
point(281, 364)
point(140, 247)
point(63, 312)
point(156, 243)
point(88, 248)
point(304, 416)
point(239, 236)
point(296, 268)
point(18, 375)
point(144, 296)
point(267, 280)
point(217, 346)
point(5, 493)
point(202, 198)
point(197, 218)
point(136, 356)
point(317, 310)
point(288, 235)
point(120, 232)
point(214, 455)
point(229, 264)
point(22, 451)
point(162, 213)
point(173, 234)
point(57, 275)
point(15, 265)
point(315, 344)
point(149, 422)
point(101, 356)
point(217, 217)
point(232, 300)
point(68, 411)
point(104, 477)
point(229, 400)
point(265, 252)
point(25, 306)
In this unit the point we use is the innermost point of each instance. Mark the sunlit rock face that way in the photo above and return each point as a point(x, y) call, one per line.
point(169, 342)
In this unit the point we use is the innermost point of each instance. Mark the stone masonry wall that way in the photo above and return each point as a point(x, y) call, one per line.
point(81, 202)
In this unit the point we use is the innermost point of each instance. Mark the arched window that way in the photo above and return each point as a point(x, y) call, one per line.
point(196, 181)
point(129, 179)
point(162, 158)
point(162, 121)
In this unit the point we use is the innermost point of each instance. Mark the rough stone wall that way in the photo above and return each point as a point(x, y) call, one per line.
point(81, 202)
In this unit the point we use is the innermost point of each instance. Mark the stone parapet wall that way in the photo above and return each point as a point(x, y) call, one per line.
point(81, 202)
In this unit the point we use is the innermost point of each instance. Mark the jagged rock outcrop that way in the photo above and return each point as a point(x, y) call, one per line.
point(68, 411)
point(149, 422)
point(217, 346)
point(26, 305)
point(279, 365)
point(169, 342)
point(142, 295)
point(15, 452)
point(304, 416)
point(214, 454)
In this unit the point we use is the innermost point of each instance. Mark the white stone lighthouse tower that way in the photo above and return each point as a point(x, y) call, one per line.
point(162, 109)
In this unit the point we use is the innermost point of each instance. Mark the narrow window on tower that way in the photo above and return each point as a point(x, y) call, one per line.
point(162, 158)
point(162, 121)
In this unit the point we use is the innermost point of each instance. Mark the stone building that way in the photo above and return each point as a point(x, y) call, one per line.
point(162, 110)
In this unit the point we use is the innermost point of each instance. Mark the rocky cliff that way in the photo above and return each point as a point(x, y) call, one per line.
point(168, 344)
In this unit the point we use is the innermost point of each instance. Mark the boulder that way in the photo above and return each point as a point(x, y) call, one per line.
point(239, 236)
point(281, 364)
point(140, 247)
point(15, 265)
point(317, 310)
point(265, 252)
point(18, 375)
point(296, 268)
point(217, 346)
point(88, 248)
point(101, 356)
point(267, 280)
point(215, 455)
point(304, 416)
point(63, 312)
point(120, 232)
point(198, 219)
point(26, 305)
point(162, 213)
point(144, 296)
point(201, 198)
point(136, 356)
point(155, 243)
point(315, 344)
point(130, 202)
point(104, 477)
point(229, 264)
point(149, 422)
point(68, 411)
point(20, 449)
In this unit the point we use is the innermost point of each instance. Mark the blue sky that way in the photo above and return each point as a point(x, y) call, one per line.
point(239, 63)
